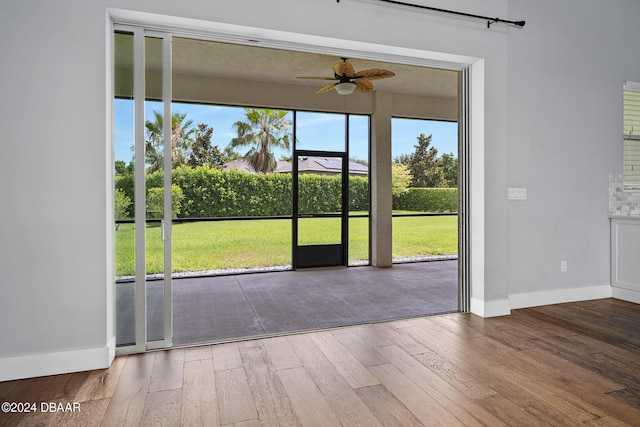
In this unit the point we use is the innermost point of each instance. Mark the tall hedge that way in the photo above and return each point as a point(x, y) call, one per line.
point(218, 193)
point(427, 200)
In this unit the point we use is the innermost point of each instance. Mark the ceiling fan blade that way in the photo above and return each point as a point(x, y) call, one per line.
point(374, 74)
point(344, 69)
point(363, 85)
point(316, 78)
point(326, 88)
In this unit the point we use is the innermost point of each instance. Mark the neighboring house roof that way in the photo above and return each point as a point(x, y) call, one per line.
point(242, 165)
point(321, 165)
point(331, 165)
point(239, 164)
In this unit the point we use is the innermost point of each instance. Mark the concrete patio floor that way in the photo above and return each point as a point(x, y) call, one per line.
point(222, 308)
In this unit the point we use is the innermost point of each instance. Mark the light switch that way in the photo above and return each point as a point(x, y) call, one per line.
point(517, 194)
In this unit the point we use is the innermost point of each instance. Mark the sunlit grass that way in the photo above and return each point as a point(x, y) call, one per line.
point(424, 236)
point(212, 245)
point(231, 244)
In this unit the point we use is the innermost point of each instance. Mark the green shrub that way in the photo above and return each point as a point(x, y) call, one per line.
point(319, 194)
point(155, 201)
point(358, 193)
point(121, 202)
point(400, 179)
point(124, 184)
point(428, 200)
point(218, 193)
point(210, 192)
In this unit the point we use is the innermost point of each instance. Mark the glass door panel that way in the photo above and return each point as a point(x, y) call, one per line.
point(142, 201)
point(154, 243)
point(319, 200)
point(124, 189)
point(319, 231)
point(158, 164)
point(320, 217)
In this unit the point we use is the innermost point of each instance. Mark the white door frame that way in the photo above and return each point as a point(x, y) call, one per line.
point(474, 66)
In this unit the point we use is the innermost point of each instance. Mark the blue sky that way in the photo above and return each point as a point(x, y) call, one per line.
point(315, 131)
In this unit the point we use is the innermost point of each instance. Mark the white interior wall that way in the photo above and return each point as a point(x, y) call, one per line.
point(550, 123)
point(564, 138)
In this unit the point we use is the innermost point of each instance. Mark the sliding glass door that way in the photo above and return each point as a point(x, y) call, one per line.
point(142, 93)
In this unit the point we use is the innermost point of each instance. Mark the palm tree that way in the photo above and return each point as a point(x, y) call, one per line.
point(262, 130)
point(181, 139)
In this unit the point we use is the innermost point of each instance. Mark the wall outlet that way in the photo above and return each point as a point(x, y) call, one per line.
point(516, 193)
point(563, 266)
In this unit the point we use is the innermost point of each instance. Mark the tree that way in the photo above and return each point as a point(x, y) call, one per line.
point(229, 154)
point(121, 204)
point(400, 179)
point(402, 159)
point(449, 165)
point(122, 168)
point(202, 151)
point(424, 165)
point(262, 130)
point(181, 139)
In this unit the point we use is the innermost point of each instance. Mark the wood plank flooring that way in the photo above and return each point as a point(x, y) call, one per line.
point(574, 364)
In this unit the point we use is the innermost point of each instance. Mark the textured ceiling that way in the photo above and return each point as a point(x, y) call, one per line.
point(233, 61)
point(227, 60)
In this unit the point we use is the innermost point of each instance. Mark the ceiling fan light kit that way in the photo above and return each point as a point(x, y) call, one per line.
point(345, 88)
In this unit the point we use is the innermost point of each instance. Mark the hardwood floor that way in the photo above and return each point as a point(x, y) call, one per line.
point(574, 364)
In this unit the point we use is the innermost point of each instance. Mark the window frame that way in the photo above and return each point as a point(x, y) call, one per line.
point(631, 136)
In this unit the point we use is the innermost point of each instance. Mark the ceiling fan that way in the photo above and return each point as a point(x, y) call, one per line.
point(348, 80)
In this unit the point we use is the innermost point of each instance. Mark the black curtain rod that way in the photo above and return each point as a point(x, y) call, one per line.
point(453, 12)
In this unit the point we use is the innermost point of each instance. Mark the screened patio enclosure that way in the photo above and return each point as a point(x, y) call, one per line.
point(155, 72)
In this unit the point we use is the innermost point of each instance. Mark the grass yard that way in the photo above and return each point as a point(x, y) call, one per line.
point(245, 244)
point(424, 236)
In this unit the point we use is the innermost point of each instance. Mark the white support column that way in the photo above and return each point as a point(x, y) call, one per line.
point(381, 202)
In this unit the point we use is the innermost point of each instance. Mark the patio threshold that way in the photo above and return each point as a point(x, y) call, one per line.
point(276, 268)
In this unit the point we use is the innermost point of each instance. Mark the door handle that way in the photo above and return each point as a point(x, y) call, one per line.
point(163, 232)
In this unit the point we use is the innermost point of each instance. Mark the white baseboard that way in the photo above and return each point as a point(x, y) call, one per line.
point(556, 296)
point(38, 365)
point(626, 295)
point(111, 345)
point(559, 296)
point(490, 308)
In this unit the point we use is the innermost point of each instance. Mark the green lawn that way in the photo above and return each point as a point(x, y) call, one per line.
point(425, 235)
point(242, 244)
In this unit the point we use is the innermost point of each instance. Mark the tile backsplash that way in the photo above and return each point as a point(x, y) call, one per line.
point(622, 203)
